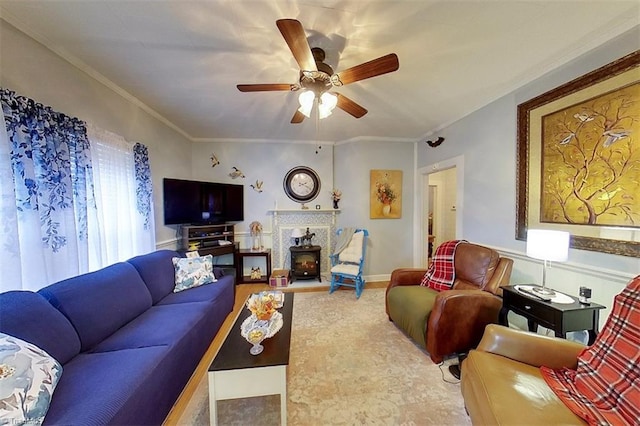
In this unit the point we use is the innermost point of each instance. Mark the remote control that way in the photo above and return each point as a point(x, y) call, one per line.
point(530, 293)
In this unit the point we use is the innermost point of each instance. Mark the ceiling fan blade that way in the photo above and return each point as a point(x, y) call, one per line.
point(298, 117)
point(382, 65)
point(296, 39)
point(263, 87)
point(350, 107)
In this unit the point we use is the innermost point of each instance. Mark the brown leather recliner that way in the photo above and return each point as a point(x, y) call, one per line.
point(502, 384)
point(451, 321)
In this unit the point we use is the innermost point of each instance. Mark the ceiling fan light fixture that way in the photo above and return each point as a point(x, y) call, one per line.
point(306, 99)
point(329, 100)
point(327, 104)
point(317, 77)
point(323, 112)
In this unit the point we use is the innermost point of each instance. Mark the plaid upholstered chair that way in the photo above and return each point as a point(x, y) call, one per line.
point(448, 322)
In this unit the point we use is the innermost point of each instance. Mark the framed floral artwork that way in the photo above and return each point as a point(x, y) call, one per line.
point(385, 194)
point(579, 160)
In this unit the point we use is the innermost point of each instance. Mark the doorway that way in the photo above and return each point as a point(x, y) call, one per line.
point(442, 208)
point(441, 189)
point(433, 194)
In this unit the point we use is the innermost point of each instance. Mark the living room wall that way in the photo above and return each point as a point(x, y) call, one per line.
point(391, 240)
point(486, 139)
point(345, 167)
point(31, 69)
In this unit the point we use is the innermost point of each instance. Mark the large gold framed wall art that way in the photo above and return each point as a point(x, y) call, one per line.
point(578, 166)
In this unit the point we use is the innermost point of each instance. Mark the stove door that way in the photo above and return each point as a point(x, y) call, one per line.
point(305, 264)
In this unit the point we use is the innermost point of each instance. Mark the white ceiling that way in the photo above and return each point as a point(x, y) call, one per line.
point(183, 59)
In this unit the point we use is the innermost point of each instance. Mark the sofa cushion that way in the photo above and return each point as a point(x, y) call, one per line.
point(113, 388)
point(23, 315)
point(159, 325)
point(99, 303)
point(192, 272)
point(157, 272)
point(204, 293)
point(409, 308)
point(28, 377)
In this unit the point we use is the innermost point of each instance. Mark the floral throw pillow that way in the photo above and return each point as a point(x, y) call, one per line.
point(193, 272)
point(28, 377)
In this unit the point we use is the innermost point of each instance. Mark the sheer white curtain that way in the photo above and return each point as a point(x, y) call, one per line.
point(10, 265)
point(124, 230)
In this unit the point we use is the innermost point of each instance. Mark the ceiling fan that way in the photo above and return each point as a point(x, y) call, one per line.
point(317, 78)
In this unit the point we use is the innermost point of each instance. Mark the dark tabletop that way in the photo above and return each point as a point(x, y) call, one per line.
point(234, 353)
point(564, 307)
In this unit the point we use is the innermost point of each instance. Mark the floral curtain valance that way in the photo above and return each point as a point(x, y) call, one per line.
point(54, 221)
point(144, 188)
point(51, 166)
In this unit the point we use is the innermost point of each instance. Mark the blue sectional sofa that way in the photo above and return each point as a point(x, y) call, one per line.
point(127, 344)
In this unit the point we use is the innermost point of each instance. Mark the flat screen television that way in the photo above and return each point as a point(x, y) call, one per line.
point(202, 203)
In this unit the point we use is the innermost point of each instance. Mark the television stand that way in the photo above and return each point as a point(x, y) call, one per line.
point(216, 240)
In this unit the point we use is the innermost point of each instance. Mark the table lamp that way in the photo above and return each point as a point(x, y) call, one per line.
point(296, 234)
point(547, 245)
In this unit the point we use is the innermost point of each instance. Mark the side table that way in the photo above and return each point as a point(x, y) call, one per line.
point(241, 254)
point(561, 318)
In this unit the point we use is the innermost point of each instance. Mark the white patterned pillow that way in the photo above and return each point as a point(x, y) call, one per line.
point(193, 272)
point(28, 376)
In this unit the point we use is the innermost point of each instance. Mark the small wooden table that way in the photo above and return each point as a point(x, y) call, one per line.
point(235, 373)
point(241, 254)
point(559, 317)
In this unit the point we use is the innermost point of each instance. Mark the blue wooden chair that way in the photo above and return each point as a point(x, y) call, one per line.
point(346, 266)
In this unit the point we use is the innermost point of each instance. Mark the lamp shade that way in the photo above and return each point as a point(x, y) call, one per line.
point(547, 244)
point(297, 233)
point(306, 99)
point(328, 102)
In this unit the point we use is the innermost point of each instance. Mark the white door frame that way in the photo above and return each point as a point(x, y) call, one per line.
point(422, 204)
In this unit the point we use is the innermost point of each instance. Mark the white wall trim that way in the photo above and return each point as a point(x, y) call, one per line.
point(422, 201)
point(171, 244)
point(374, 278)
point(233, 140)
point(574, 267)
point(417, 209)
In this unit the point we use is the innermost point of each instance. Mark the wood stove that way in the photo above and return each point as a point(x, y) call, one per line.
point(305, 262)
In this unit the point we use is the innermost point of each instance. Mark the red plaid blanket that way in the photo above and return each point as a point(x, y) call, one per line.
point(442, 272)
point(605, 388)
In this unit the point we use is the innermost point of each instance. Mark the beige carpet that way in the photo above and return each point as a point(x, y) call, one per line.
point(349, 365)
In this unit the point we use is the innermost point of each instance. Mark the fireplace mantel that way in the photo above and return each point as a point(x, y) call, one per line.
point(280, 212)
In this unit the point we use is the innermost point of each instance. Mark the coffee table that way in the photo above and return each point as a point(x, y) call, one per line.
point(235, 373)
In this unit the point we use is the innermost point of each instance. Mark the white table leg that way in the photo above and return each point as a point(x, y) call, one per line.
point(283, 396)
point(213, 402)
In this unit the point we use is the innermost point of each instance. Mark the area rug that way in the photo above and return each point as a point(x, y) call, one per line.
point(348, 365)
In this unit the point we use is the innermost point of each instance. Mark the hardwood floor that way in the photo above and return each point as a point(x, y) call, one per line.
point(242, 292)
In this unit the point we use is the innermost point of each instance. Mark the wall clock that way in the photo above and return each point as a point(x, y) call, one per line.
point(301, 184)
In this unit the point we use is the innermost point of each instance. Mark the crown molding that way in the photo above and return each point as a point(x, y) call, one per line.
point(91, 72)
